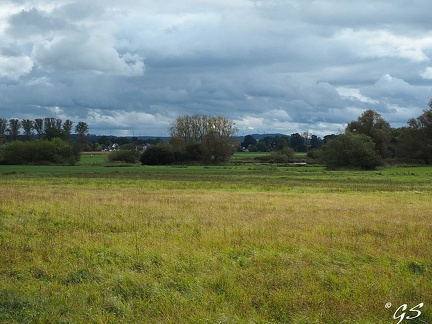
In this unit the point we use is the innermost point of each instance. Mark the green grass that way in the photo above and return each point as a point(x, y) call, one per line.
point(231, 244)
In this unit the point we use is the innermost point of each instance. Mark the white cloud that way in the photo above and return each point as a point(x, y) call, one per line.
point(427, 73)
point(129, 122)
point(383, 43)
point(14, 67)
point(354, 94)
point(82, 52)
point(285, 66)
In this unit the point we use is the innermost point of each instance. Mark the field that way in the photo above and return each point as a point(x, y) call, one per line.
point(240, 243)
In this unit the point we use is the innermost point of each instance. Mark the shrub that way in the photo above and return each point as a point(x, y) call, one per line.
point(284, 155)
point(123, 156)
point(351, 151)
point(55, 151)
point(314, 153)
point(194, 151)
point(159, 154)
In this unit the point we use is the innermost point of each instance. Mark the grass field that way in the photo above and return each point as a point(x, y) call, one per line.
point(252, 243)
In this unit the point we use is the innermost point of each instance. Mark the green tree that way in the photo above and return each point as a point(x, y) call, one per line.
point(371, 123)
point(415, 141)
point(315, 142)
point(159, 154)
point(54, 132)
point(262, 146)
point(351, 151)
point(248, 141)
point(282, 143)
point(297, 142)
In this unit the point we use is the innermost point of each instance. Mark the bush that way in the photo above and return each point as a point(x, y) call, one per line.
point(351, 151)
point(314, 153)
point(194, 151)
point(159, 154)
point(55, 151)
point(285, 155)
point(123, 156)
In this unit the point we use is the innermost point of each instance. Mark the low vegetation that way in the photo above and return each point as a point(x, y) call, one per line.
point(55, 151)
point(351, 151)
point(231, 243)
point(124, 156)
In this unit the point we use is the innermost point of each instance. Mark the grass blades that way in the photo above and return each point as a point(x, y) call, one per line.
point(218, 244)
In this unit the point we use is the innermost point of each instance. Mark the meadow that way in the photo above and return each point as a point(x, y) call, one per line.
point(236, 243)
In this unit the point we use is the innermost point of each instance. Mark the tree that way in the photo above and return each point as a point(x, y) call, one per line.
point(297, 142)
point(327, 138)
point(160, 154)
point(38, 126)
point(371, 123)
point(214, 133)
point(351, 151)
point(281, 143)
point(216, 148)
point(315, 142)
point(82, 130)
point(14, 126)
point(415, 141)
point(248, 141)
point(3, 127)
point(58, 124)
point(53, 132)
point(190, 128)
point(27, 126)
point(67, 129)
point(49, 122)
point(262, 146)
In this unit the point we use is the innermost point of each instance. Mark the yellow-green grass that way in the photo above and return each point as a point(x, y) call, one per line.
point(205, 245)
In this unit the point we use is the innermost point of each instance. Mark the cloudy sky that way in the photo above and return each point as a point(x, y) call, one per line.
point(130, 67)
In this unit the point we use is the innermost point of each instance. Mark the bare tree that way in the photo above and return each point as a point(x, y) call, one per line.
point(212, 133)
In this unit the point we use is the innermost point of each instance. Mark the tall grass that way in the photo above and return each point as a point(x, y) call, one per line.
point(159, 248)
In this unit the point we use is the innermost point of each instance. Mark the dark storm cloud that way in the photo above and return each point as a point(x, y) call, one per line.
point(274, 66)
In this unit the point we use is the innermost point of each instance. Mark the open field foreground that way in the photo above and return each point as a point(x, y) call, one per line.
point(227, 244)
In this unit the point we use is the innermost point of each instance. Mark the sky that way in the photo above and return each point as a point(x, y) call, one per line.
point(130, 67)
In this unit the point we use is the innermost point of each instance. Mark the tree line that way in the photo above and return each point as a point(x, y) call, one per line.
point(47, 128)
point(271, 143)
point(42, 141)
point(366, 143)
point(370, 141)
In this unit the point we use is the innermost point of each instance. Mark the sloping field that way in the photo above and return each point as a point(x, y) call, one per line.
point(228, 244)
